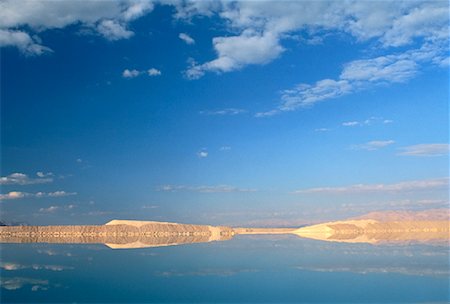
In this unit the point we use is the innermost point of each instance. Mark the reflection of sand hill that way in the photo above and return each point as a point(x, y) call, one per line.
point(117, 234)
point(373, 231)
point(378, 227)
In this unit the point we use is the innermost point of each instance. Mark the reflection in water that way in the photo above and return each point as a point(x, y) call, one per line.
point(19, 282)
point(274, 265)
point(140, 234)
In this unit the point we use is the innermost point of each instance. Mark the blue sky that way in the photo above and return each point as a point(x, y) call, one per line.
point(259, 113)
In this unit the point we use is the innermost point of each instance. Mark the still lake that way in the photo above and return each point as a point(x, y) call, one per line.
point(244, 269)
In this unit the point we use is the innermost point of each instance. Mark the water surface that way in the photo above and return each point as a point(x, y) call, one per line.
point(282, 268)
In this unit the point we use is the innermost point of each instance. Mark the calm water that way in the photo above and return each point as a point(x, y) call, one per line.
point(244, 269)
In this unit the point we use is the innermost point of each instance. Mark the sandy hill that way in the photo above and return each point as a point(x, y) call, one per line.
point(382, 227)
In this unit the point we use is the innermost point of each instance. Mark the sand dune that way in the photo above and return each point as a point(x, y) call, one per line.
point(374, 232)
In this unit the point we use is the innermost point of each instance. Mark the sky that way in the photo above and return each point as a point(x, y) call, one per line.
point(222, 112)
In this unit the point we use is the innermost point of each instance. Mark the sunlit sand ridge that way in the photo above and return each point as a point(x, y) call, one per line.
point(385, 227)
point(380, 228)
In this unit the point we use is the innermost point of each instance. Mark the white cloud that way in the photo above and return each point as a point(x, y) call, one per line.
point(18, 195)
point(130, 74)
point(257, 28)
point(202, 154)
point(55, 194)
point(22, 41)
point(424, 20)
point(235, 52)
point(391, 68)
point(50, 209)
point(204, 189)
point(225, 148)
point(426, 150)
point(370, 121)
point(13, 195)
point(322, 129)
point(227, 111)
point(21, 20)
point(23, 179)
point(261, 26)
point(356, 76)
point(153, 72)
point(113, 30)
point(137, 9)
point(188, 9)
point(267, 113)
point(407, 186)
point(133, 73)
point(304, 95)
point(374, 145)
point(186, 38)
point(42, 174)
point(350, 123)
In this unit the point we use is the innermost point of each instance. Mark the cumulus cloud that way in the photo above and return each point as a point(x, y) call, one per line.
point(261, 27)
point(22, 21)
point(133, 73)
point(227, 111)
point(130, 73)
point(186, 38)
point(426, 150)
point(407, 186)
point(235, 52)
point(13, 195)
point(136, 9)
point(204, 189)
point(43, 174)
point(202, 154)
point(374, 145)
point(23, 41)
point(18, 195)
point(153, 72)
point(23, 179)
point(113, 30)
